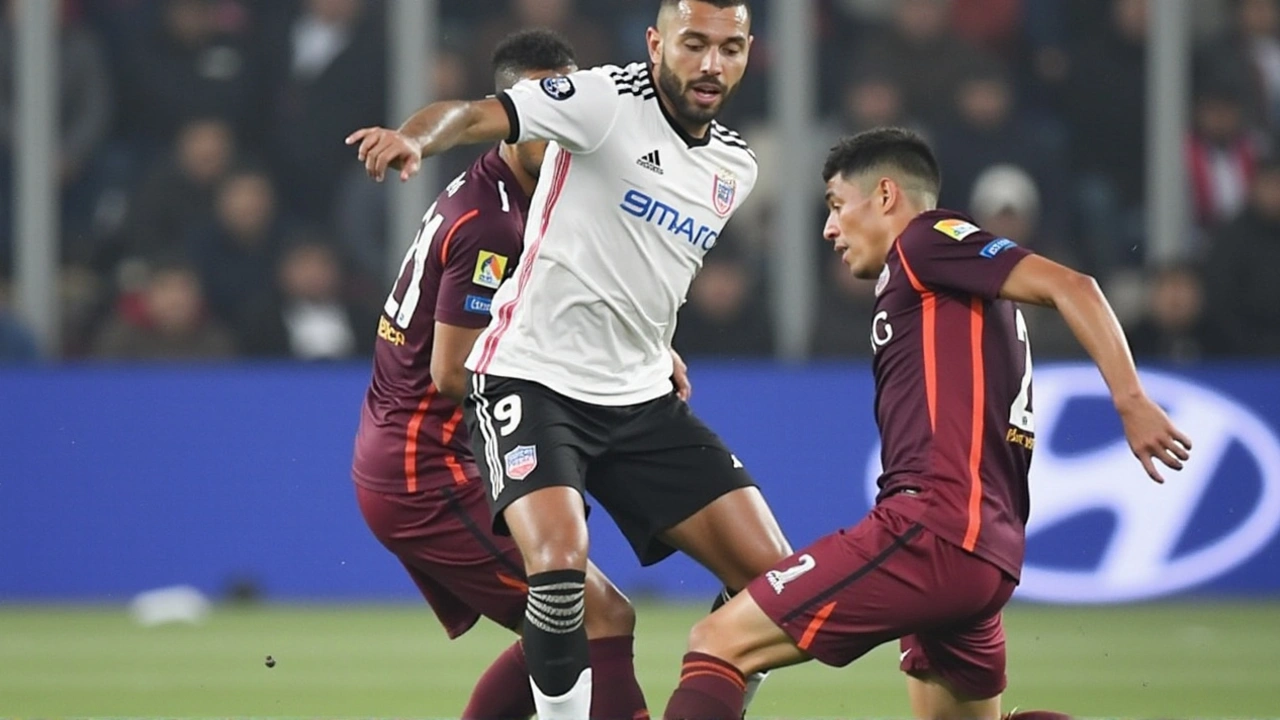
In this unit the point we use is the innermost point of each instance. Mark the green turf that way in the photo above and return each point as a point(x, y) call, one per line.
point(1147, 661)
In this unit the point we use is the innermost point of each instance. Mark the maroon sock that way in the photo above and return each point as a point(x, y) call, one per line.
point(710, 689)
point(503, 691)
point(1037, 715)
point(615, 694)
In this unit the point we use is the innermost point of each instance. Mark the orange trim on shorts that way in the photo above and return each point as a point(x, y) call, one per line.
point(411, 439)
point(513, 582)
point(815, 625)
point(929, 321)
point(976, 306)
point(444, 246)
point(446, 436)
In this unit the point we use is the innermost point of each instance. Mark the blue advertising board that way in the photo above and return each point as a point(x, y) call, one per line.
point(119, 479)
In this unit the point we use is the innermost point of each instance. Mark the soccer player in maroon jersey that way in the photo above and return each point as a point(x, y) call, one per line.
point(939, 555)
point(416, 480)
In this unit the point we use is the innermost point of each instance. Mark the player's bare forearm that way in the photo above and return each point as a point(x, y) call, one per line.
point(1095, 325)
point(444, 125)
point(1039, 281)
point(1150, 433)
point(430, 131)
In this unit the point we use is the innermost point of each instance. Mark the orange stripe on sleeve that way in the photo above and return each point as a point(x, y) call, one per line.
point(448, 238)
point(976, 306)
point(411, 439)
point(929, 321)
point(814, 625)
point(446, 437)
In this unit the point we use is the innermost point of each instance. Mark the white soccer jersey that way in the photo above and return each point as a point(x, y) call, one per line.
point(627, 205)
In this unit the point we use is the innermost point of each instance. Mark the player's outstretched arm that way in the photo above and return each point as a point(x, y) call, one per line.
point(1151, 435)
point(432, 130)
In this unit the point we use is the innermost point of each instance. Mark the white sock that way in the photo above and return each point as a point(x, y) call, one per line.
point(573, 705)
point(753, 684)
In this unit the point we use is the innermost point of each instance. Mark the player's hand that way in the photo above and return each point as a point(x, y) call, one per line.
point(680, 376)
point(381, 148)
point(1152, 436)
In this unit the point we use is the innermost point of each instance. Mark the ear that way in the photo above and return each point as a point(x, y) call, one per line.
point(888, 195)
point(653, 39)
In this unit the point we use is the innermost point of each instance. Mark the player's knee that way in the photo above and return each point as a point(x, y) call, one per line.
point(556, 554)
point(709, 636)
point(609, 614)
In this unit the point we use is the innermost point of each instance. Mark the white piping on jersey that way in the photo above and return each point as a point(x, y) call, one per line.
point(563, 160)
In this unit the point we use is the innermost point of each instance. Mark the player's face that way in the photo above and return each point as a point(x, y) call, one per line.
point(530, 154)
point(701, 54)
point(856, 227)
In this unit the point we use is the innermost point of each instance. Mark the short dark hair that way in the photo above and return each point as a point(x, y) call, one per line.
point(889, 149)
point(664, 4)
point(536, 49)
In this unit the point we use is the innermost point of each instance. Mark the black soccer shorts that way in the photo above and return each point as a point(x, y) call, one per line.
point(651, 465)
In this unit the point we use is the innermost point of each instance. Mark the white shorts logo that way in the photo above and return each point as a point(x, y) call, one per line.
point(779, 578)
point(521, 461)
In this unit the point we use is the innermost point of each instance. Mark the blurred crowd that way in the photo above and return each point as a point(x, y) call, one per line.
point(211, 209)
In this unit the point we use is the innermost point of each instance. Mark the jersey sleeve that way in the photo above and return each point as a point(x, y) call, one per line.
point(954, 254)
point(476, 255)
point(576, 110)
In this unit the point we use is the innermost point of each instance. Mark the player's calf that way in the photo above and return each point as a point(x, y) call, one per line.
point(549, 526)
point(611, 623)
point(933, 698)
point(725, 648)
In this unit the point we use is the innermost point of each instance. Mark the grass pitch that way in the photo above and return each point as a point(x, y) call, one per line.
point(1177, 660)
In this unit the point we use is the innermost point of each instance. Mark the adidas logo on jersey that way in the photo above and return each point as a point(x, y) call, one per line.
point(651, 161)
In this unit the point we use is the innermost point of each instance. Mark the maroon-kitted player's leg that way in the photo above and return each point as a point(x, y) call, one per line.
point(464, 571)
point(884, 578)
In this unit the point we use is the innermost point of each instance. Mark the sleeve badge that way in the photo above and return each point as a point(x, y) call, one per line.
point(491, 269)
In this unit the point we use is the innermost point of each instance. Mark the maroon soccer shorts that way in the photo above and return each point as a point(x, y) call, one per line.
point(442, 538)
point(888, 577)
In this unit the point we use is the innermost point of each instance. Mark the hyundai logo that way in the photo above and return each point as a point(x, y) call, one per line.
point(1145, 554)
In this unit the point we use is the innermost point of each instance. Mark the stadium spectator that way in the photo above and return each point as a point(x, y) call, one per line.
point(236, 252)
point(590, 40)
point(1244, 298)
point(929, 57)
point(327, 67)
point(1175, 327)
point(1006, 202)
point(308, 316)
point(990, 129)
point(167, 321)
point(1250, 52)
point(176, 197)
point(844, 312)
point(1105, 105)
point(725, 314)
point(1222, 152)
point(190, 60)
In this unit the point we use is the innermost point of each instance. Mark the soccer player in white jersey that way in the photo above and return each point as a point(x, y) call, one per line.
point(571, 386)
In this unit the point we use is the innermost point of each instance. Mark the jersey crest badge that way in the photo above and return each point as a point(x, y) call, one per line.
point(491, 269)
point(558, 88)
point(725, 191)
point(956, 229)
point(882, 280)
point(521, 461)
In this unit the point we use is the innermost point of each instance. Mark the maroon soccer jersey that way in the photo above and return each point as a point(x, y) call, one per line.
point(953, 385)
point(411, 438)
